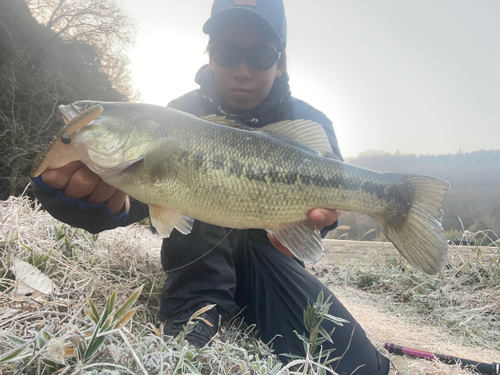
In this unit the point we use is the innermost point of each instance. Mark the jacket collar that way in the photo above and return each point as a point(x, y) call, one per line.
point(269, 111)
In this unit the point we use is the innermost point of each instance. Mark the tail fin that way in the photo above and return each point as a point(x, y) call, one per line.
point(419, 235)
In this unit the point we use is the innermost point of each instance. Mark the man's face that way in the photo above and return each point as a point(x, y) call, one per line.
point(239, 86)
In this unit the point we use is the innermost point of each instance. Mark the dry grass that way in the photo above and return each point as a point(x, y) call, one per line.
point(454, 313)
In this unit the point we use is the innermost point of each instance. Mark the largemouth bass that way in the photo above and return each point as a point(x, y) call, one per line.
point(213, 170)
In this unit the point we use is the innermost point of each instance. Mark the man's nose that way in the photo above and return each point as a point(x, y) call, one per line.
point(242, 71)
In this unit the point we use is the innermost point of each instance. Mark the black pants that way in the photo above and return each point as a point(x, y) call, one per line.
point(243, 270)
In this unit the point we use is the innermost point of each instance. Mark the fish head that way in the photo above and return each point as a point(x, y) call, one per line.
point(107, 137)
point(61, 150)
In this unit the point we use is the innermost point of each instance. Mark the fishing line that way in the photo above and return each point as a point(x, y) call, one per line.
point(201, 256)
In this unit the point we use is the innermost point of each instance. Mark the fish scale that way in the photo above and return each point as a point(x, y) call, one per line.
point(229, 175)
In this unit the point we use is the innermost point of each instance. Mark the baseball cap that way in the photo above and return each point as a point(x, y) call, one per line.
point(270, 13)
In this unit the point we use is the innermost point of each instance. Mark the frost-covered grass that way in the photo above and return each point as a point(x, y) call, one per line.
point(87, 328)
point(456, 312)
point(103, 317)
point(463, 298)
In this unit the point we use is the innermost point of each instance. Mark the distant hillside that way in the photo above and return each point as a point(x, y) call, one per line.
point(475, 185)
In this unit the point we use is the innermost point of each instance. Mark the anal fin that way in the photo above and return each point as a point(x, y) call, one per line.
point(165, 220)
point(302, 239)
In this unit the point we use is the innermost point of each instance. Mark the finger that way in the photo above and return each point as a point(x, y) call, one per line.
point(59, 177)
point(81, 183)
point(101, 193)
point(324, 217)
point(127, 204)
point(279, 246)
point(117, 200)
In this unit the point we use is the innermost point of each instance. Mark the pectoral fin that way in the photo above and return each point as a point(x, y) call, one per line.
point(157, 155)
point(165, 220)
point(302, 239)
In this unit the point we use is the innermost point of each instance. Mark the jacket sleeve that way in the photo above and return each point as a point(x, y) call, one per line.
point(94, 218)
point(190, 103)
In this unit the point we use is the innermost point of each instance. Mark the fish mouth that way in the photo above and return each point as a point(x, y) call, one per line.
point(75, 118)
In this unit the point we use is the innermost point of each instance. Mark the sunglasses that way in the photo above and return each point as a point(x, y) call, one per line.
point(259, 57)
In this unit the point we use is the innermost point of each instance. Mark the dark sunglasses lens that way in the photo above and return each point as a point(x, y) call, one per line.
point(261, 57)
point(256, 57)
point(226, 54)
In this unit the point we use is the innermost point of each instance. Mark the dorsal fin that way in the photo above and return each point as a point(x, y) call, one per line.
point(307, 132)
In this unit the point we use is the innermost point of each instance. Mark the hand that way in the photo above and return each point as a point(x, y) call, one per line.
point(76, 181)
point(321, 216)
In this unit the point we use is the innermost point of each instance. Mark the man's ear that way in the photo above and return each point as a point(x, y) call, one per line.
point(210, 62)
point(279, 71)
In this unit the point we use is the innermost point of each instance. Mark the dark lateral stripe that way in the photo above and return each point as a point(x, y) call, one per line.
point(399, 196)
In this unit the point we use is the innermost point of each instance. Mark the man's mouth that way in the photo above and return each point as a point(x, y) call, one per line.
point(240, 92)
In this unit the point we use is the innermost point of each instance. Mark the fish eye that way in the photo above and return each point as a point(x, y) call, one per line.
point(66, 139)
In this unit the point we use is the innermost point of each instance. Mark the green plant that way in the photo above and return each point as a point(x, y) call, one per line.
point(107, 321)
point(40, 261)
point(193, 321)
point(314, 316)
point(61, 233)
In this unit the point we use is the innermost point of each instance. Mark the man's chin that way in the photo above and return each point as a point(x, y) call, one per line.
point(242, 105)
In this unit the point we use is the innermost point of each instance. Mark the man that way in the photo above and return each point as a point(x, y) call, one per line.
point(245, 80)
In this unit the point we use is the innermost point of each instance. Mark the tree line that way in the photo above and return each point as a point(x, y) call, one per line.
point(472, 203)
point(54, 52)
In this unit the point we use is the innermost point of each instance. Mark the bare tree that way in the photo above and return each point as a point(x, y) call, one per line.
point(101, 24)
point(26, 120)
point(40, 70)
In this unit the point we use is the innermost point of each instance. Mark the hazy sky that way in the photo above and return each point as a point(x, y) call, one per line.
point(419, 76)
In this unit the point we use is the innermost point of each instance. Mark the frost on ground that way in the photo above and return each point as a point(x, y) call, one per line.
point(456, 312)
point(71, 320)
